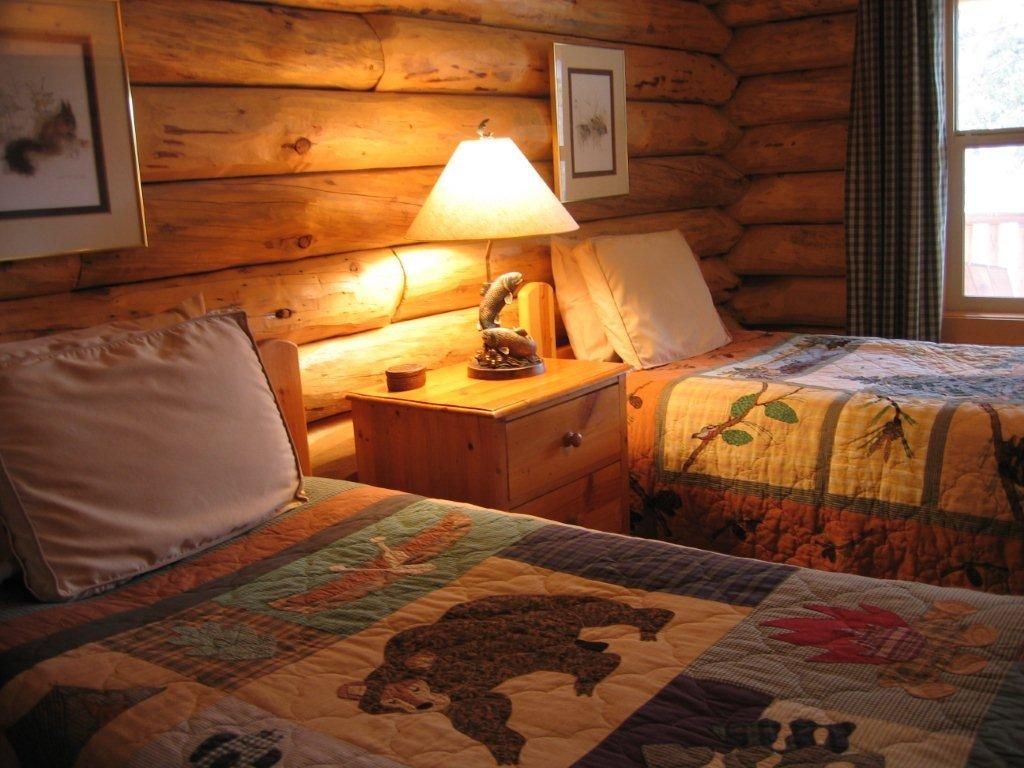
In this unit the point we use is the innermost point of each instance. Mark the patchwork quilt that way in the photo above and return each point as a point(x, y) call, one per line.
point(375, 629)
point(892, 459)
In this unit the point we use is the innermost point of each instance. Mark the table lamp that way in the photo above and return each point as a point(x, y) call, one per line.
point(489, 190)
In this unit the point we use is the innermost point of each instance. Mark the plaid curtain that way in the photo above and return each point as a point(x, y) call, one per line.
point(896, 172)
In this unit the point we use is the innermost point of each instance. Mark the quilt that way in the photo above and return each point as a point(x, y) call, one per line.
point(376, 629)
point(886, 458)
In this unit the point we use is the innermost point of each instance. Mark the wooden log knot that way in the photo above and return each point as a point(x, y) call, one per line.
point(283, 314)
point(304, 241)
point(301, 145)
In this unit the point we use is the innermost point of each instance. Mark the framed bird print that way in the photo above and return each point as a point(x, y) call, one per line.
point(588, 100)
point(69, 179)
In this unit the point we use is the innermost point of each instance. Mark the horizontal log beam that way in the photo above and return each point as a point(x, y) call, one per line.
point(708, 230)
point(426, 56)
point(742, 13)
point(791, 148)
point(284, 218)
point(800, 249)
point(789, 46)
point(209, 225)
point(657, 129)
point(33, 277)
point(721, 280)
point(301, 301)
point(686, 26)
point(792, 301)
point(666, 184)
point(196, 133)
point(191, 134)
point(198, 41)
point(333, 367)
point(822, 94)
point(792, 198)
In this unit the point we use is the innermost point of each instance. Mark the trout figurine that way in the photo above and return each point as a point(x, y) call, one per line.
point(510, 342)
point(495, 297)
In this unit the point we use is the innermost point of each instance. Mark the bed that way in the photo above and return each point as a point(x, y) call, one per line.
point(343, 624)
point(371, 628)
point(883, 458)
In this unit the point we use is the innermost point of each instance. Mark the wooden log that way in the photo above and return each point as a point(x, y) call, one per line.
point(792, 198)
point(678, 129)
point(332, 447)
point(332, 367)
point(742, 13)
point(267, 219)
point(441, 277)
point(788, 46)
point(822, 94)
point(708, 230)
point(189, 133)
point(668, 183)
point(685, 26)
point(196, 133)
point(300, 301)
point(801, 249)
point(791, 147)
point(198, 41)
point(721, 280)
point(423, 55)
point(203, 226)
point(32, 277)
point(791, 301)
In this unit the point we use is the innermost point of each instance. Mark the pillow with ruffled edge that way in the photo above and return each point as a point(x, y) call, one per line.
point(582, 324)
point(651, 297)
point(194, 306)
point(122, 455)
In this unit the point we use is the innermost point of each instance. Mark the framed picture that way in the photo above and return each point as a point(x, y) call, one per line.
point(69, 174)
point(588, 101)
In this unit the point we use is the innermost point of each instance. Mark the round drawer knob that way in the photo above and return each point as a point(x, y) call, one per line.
point(572, 439)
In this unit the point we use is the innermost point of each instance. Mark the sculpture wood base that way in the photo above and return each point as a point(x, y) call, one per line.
point(477, 371)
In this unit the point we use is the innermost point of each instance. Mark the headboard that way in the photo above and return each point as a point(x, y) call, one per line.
point(281, 361)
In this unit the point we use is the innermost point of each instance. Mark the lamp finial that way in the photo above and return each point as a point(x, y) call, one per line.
point(481, 130)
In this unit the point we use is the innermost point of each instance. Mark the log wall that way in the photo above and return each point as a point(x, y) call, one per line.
point(793, 58)
point(286, 146)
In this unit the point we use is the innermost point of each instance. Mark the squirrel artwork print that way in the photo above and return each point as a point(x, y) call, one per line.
point(57, 133)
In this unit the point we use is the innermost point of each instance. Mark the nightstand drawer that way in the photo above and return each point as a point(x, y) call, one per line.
point(593, 501)
point(551, 447)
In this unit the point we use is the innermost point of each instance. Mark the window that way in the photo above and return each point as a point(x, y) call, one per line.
point(985, 119)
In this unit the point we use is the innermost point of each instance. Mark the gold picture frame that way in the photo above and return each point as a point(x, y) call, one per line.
point(588, 104)
point(69, 173)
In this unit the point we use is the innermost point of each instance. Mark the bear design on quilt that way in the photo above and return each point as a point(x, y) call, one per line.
point(453, 665)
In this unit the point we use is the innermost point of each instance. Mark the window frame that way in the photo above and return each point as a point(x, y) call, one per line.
point(956, 304)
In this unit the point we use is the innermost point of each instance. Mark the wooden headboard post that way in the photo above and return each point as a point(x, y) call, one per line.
point(537, 316)
point(281, 361)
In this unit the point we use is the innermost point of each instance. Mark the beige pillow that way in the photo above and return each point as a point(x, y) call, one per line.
point(194, 306)
point(582, 324)
point(651, 297)
point(120, 455)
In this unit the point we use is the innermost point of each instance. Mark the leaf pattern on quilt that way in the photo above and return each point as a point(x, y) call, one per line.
point(774, 408)
point(235, 642)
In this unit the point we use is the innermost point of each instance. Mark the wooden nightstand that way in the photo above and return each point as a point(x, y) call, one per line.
point(552, 445)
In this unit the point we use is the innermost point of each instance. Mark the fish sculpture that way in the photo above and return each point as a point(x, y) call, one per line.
point(511, 342)
point(495, 297)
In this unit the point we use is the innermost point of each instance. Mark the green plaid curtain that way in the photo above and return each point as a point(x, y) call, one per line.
point(896, 172)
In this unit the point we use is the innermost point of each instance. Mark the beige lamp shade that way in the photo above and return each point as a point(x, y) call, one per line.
point(488, 191)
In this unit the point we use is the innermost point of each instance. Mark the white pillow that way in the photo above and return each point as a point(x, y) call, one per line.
point(651, 297)
point(582, 324)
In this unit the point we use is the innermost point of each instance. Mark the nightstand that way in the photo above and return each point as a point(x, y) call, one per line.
point(552, 445)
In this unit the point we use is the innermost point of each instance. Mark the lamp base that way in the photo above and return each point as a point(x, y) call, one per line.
point(477, 371)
